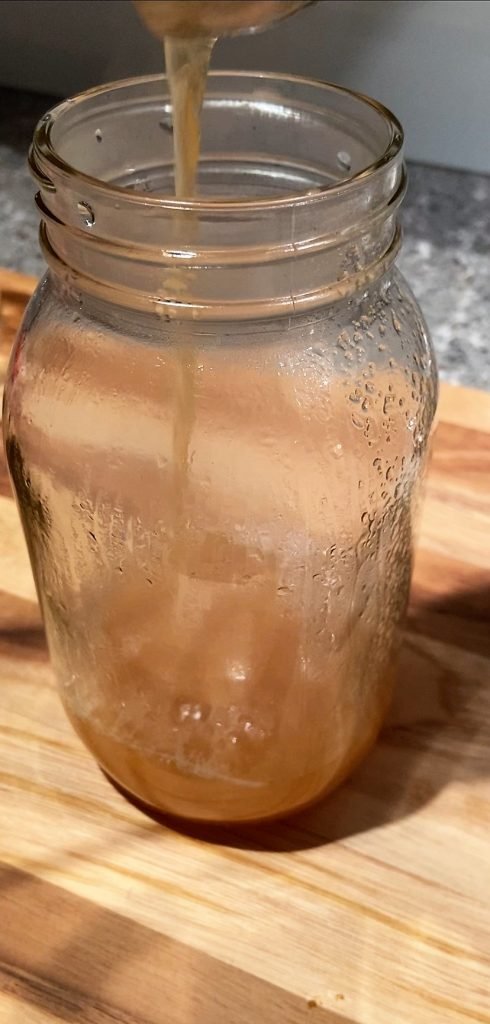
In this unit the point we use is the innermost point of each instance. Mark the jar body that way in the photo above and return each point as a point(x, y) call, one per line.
point(220, 525)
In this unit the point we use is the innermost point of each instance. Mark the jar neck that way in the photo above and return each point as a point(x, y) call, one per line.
point(226, 258)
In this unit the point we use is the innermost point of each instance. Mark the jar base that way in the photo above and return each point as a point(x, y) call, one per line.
point(213, 803)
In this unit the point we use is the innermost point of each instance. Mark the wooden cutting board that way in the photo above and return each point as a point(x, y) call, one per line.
point(372, 908)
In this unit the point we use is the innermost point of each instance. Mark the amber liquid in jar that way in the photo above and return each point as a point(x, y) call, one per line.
point(223, 672)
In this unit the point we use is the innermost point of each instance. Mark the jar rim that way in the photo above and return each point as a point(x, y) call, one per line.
point(43, 146)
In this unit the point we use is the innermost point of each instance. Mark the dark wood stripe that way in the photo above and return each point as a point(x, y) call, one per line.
point(85, 964)
point(21, 629)
point(463, 454)
point(464, 629)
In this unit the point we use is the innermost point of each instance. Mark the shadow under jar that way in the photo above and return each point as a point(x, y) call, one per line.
point(216, 419)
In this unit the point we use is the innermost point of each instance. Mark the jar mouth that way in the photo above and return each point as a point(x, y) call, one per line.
point(47, 160)
point(299, 183)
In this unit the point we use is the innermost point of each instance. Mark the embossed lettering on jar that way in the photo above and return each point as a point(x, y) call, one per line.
point(216, 421)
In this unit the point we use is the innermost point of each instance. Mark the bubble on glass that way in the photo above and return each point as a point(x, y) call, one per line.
point(396, 323)
point(86, 213)
point(344, 160)
point(343, 339)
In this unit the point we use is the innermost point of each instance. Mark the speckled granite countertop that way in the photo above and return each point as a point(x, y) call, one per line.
point(445, 257)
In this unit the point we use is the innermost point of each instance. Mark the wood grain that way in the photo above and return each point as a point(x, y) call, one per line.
point(372, 908)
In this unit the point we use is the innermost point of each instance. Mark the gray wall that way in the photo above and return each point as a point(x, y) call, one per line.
point(429, 60)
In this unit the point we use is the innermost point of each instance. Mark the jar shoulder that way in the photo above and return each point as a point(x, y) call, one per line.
point(377, 341)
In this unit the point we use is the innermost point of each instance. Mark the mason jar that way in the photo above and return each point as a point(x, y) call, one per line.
point(216, 421)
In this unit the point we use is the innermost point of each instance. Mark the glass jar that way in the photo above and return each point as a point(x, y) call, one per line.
point(216, 419)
